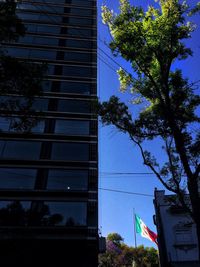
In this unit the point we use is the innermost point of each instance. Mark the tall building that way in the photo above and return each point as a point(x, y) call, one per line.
point(49, 177)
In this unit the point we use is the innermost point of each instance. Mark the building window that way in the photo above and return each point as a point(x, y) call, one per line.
point(20, 150)
point(72, 127)
point(73, 2)
point(52, 29)
point(78, 57)
point(70, 151)
point(67, 213)
point(67, 180)
point(15, 178)
point(39, 213)
point(75, 88)
point(74, 106)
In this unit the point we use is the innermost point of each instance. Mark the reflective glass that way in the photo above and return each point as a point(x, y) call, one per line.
point(30, 39)
point(75, 87)
point(31, 53)
point(6, 124)
point(43, 28)
point(53, 29)
point(46, 85)
point(78, 57)
point(67, 180)
point(67, 213)
point(72, 127)
point(14, 213)
point(78, 71)
point(70, 151)
point(88, 3)
point(20, 150)
point(74, 106)
point(79, 21)
point(39, 213)
point(56, 9)
point(40, 104)
point(15, 178)
point(39, 17)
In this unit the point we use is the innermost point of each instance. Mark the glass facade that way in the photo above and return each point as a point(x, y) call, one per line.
point(42, 213)
point(48, 170)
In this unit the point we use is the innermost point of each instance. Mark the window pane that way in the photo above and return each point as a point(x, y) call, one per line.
point(73, 2)
point(14, 178)
point(67, 213)
point(67, 180)
point(77, 71)
point(75, 88)
point(80, 32)
point(14, 213)
point(70, 151)
point(78, 57)
point(74, 106)
point(70, 127)
point(38, 213)
point(20, 150)
point(53, 29)
point(43, 28)
point(4, 124)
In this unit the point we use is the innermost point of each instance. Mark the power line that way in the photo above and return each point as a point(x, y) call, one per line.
point(125, 192)
point(127, 173)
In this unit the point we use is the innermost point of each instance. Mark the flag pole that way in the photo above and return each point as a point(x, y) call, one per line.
point(134, 227)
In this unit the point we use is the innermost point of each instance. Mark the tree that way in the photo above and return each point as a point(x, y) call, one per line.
point(118, 254)
point(145, 256)
point(152, 41)
point(20, 81)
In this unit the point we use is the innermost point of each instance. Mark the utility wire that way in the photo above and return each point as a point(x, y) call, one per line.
point(127, 173)
point(125, 192)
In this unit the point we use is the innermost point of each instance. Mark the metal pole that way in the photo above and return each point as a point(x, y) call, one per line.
point(134, 227)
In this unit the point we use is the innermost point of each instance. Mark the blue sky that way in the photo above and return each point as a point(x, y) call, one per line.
point(118, 154)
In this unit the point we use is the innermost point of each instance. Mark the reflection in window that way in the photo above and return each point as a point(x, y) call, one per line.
point(78, 57)
point(40, 104)
point(31, 53)
point(39, 213)
point(67, 180)
point(46, 85)
point(74, 106)
point(70, 127)
point(20, 150)
point(4, 124)
point(70, 151)
point(7, 125)
point(75, 88)
point(42, 28)
point(89, 3)
point(71, 213)
point(81, 32)
point(78, 71)
point(15, 178)
point(52, 29)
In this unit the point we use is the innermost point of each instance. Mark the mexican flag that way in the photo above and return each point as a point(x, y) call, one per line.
point(142, 229)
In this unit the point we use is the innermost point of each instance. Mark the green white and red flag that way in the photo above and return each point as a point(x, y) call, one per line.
point(143, 230)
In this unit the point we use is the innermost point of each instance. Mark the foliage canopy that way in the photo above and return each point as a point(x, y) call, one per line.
point(152, 41)
point(20, 80)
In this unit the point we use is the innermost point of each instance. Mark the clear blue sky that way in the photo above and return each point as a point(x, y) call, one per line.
point(118, 154)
